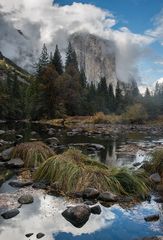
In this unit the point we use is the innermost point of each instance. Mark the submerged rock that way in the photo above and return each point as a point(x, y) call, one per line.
point(108, 197)
point(26, 199)
point(155, 178)
point(77, 215)
point(40, 235)
point(96, 210)
point(15, 163)
point(152, 218)
point(90, 193)
point(18, 184)
point(39, 185)
point(10, 214)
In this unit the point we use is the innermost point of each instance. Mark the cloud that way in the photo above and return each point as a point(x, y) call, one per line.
point(42, 22)
point(157, 31)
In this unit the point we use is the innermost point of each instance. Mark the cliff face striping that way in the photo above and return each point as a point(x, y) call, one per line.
point(96, 56)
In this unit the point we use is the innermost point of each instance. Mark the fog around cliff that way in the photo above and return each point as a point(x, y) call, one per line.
point(40, 21)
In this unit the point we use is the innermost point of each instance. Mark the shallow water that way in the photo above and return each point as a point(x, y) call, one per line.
point(114, 223)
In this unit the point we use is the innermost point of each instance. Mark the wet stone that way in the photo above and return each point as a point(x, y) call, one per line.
point(90, 193)
point(152, 218)
point(18, 184)
point(26, 199)
point(28, 235)
point(15, 163)
point(77, 215)
point(96, 210)
point(10, 214)
point(40, 235)
point(108, 197)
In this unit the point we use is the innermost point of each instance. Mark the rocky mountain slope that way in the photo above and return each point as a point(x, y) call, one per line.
point(9, 68)
point(96, 56)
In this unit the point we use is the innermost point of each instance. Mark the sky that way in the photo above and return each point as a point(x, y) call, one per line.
point(138, 16)
point(134, 26)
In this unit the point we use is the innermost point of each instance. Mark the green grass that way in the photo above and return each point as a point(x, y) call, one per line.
point(32, 153)
point(74, 171)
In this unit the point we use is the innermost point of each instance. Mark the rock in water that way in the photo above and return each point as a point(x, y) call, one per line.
point(108, 197)
point(18, 184)
point(96, 210)
point(152, 218)
point(15, 163)
point(26, 199)
point(90, 193)
point(28, 235)
point(10, 214)
point(40, 235)
point(77, 215)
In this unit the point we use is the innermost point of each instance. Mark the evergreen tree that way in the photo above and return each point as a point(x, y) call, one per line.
point(43, 60)
point(118, 98)
point(71, 58)
point(83, 79)
point(57, 61)
point(111, 98)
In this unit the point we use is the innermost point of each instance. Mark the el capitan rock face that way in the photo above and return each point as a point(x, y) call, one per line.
point(96, 56)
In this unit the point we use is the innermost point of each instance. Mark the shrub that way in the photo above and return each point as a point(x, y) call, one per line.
point(74, 172)
point(32, 153)
point(135, 114)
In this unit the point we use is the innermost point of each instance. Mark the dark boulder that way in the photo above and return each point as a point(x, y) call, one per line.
point(96, 210)
point(6, 154)
point(26, 199)
point(39, 185)
point(10, 214)
point(28, 235)
point(152, 218)
point(77, 215)
point(40, 235)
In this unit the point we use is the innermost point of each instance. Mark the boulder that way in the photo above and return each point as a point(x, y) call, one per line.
point(19, 136)
point(155, 178)
point(77, 215)
point(152, 218)
point(28, 235)
point(26, 199)
point(159, 200)
point(6, 154)
point(10, 214)
point(96, 210)
point(90, 193)
point(40, 235)
point(108, 197)
point(19, 184)
point(15, 163)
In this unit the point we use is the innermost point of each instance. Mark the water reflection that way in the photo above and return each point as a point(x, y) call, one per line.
point(44, 215)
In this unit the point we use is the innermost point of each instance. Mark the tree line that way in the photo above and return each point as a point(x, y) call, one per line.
point(57, 90)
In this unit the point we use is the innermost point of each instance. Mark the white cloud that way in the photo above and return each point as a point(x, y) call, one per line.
point(42, 22)
point(157, 31)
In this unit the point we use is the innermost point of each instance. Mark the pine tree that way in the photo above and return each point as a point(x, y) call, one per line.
point(43, 60)
point(57, 61)
point(71, 58)
point(118, 98)
point(111, 98)
point(83, 79)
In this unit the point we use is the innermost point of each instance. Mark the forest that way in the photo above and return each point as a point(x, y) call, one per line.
point(57, 90)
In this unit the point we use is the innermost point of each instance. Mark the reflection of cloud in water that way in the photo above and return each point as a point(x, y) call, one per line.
point(46, 217)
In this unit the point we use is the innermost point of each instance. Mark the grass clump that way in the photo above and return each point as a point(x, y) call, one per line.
point(155, 164)
point(74, 172)
point(32, 153)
